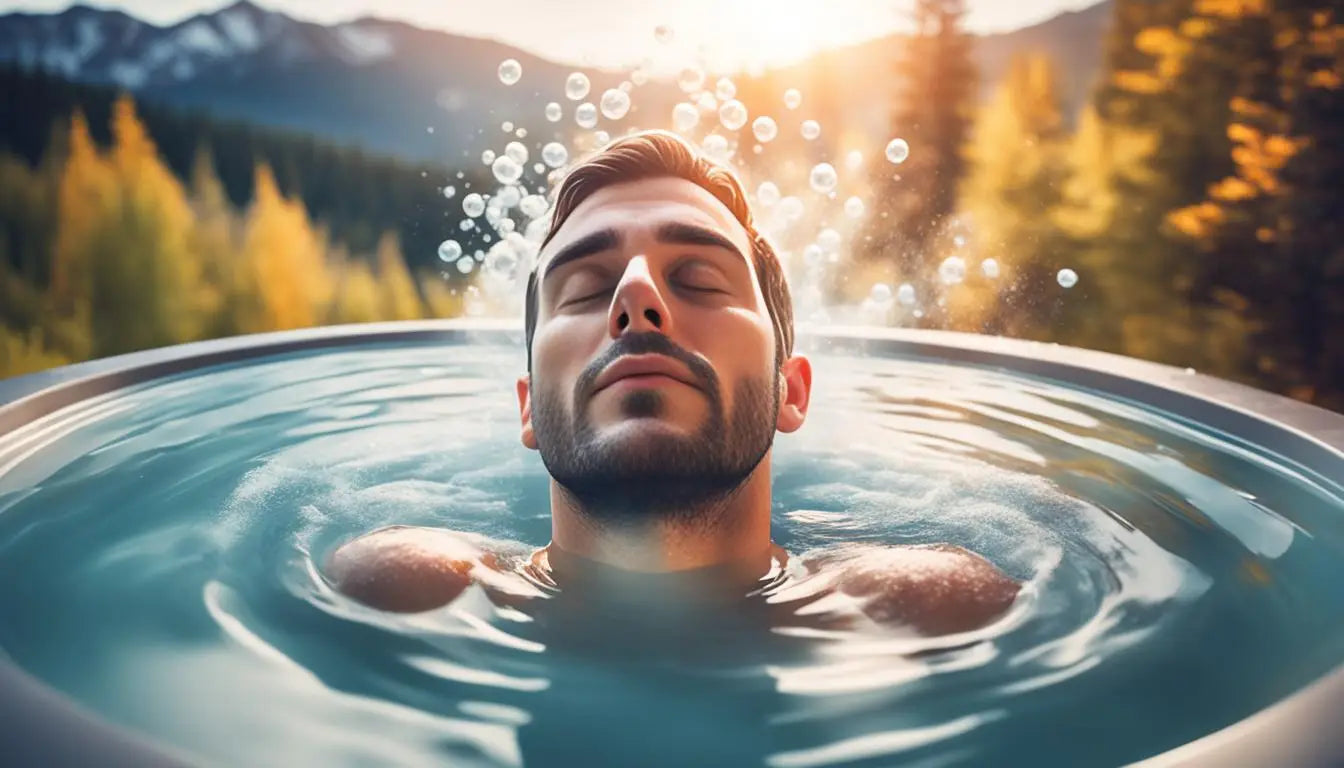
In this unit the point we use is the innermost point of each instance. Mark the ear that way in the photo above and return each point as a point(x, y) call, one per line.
point(796, 378)
point(524, 387)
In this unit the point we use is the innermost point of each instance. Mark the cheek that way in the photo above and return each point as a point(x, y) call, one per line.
point(560, 350)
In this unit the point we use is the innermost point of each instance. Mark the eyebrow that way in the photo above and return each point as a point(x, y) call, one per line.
point(692, 234)
point(673, 232)
point(595, 242)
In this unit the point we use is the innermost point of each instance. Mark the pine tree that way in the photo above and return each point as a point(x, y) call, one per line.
point(1018, 172)
point(913, 201)
point(1275, 220)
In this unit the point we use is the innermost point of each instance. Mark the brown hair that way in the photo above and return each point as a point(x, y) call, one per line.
point(655, 154)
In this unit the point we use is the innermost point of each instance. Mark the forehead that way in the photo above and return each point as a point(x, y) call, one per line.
point(633, 207)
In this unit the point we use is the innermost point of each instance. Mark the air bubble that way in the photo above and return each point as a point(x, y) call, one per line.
point(473, 205)
point(733, 114)
point(506, 169)
point(793, 98)
point(516, 152)
point(450, 250)
point(586, 115)
point(823, 177)
point(811, 129)
point(724, 89)
point(553, 112)
point(466, 264)
point(615, 103)
point(554, 154)
point(685, 117)
point(690, 79)
point(989, 268)
point(764, 129)
point(1067, 278)
point(510, 71)
point(952, 270)
point(767, 194)
point(854, 207)
point(576, 86)
point(897, 151)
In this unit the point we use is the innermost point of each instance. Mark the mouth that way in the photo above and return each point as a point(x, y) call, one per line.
point(643, 381)
point(644, 371)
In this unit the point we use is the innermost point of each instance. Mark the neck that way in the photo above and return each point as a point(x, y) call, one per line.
point(726, 546)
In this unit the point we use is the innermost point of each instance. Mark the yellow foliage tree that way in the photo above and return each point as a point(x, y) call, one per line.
point(284, 273)
point(1017, 171)
point(400, 301)
point(357, 298)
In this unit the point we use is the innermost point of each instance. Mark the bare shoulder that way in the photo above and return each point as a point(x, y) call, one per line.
point(406, 568)
point(935, 588)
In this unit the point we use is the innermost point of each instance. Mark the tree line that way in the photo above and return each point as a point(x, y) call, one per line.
point(104, 249)
point(1197, 196)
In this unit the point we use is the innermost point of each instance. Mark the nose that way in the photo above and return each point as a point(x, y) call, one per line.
point(638, 305)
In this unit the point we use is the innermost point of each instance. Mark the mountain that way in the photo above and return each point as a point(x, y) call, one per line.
point(396, 89)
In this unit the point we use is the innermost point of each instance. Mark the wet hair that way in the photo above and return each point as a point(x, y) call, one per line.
point(660, 154)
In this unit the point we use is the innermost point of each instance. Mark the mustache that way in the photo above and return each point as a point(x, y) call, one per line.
point(649, 342)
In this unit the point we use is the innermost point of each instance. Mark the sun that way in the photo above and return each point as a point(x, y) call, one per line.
point(751, 34)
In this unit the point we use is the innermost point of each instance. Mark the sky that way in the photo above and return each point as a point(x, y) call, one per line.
point(621, 32)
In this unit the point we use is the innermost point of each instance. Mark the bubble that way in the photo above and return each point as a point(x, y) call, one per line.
point(465, 224)
point(510, 71)
point(733, 114)
point(516, 152)
point(897, 151)
point(473, 205)
point(906, 295)
point(724, 89)
point(881, 295)
point(507, 198)
point(488, 157)
point(854, 160)
point(553, 112)
point(450, 250)
point(538, 168)
point(601, 137)
point(716, 147)
point(813, 255)
point(533, 206)
point(690, 79)
point(521, 133)
point(756, 149)
point(685, 116)
point(829, 240)
point(501, 261)
point(663, 34)
point(854, 207)
point(990, 268)
point(959, 240)
point(706, 101)
point(429, 129)
point(450, 191)
point(465, 264)
point(823, 177)
point(576, 86)
point(791, 207)
point(615, 103)
point(793, 98)
point(811, 129)
point(506, 169)
point(952, 270)
point(506, 126)
point(1066, 278)
point(767, 194)
point(505, 225)
point(586, 115)
point(639, 77)
point(554, 154)
point(764, 129)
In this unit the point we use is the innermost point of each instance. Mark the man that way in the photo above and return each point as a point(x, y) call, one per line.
point(660, 365)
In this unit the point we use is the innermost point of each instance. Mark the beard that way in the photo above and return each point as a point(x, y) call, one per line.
point(629, 479)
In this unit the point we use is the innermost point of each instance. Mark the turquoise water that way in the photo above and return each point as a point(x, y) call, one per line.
point(161, 550)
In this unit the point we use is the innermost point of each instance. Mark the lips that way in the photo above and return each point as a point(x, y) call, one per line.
point(643, 365)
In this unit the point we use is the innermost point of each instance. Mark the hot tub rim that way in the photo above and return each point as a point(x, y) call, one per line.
point(43, 723)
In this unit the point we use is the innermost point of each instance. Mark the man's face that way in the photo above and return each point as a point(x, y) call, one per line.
point(655, 273)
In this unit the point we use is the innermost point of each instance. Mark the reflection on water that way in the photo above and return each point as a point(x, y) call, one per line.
point(160, 558)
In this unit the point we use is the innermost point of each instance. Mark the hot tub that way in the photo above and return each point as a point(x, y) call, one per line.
point(164, 517)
